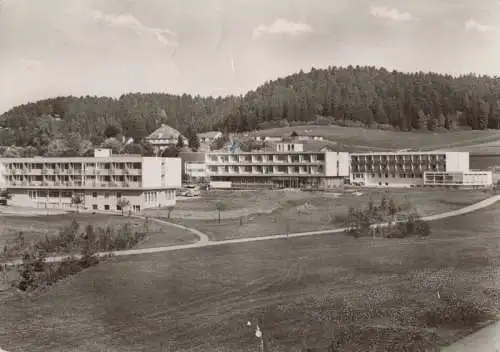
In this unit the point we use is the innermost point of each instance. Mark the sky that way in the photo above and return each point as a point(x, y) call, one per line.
point(218, 47)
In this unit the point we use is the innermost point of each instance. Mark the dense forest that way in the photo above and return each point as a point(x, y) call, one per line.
point(364, 96)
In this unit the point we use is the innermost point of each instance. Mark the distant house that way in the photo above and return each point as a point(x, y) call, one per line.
point(209, 137)
point(309, 138)
point(164, 137)
point(268, 139)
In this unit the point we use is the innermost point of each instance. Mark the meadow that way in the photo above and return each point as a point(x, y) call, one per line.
point(261, 213)
point(362, 138)
point(35, 227)
point(307, 293)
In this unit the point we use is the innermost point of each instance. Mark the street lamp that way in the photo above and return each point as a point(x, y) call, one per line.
point(258, 334)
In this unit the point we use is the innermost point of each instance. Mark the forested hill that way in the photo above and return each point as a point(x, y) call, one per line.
point(351, 95)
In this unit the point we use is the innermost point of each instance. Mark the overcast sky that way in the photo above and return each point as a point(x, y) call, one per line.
point(218, 47)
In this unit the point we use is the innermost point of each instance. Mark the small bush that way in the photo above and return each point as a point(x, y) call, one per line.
point(35, 272)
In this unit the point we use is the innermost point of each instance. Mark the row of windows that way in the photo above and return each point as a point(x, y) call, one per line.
point(151, 197)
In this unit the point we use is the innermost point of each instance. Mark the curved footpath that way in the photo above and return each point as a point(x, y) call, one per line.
point(486, 339)
point(206, 242)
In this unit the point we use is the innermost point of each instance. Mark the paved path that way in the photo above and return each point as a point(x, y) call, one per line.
point(205, 242)
point(484, 340)
point(487, 339)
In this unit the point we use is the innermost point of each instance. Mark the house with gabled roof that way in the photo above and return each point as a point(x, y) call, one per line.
point(164, 137)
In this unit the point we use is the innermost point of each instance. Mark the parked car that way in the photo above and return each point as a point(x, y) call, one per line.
point(191, 191)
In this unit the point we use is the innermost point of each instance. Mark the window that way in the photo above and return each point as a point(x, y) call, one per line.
point(118, 194)
point(118, 208)
point(94, 206)
point(136, 207)
point(106, 195)
point(106, 207)
point(94, 194)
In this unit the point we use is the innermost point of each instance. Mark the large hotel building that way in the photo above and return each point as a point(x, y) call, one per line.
point(286, 166)
point(99, 181)
point(289, 166)
point(147, 182)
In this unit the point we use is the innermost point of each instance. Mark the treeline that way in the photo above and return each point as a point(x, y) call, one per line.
point(364, 96)
point(35, 272)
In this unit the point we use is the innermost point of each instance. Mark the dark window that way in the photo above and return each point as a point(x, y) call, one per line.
point(94, 194)
point(106, 207)
point(94, 206)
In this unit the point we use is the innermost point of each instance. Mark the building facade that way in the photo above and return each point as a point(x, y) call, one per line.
point(279, 168)
point(101, 182)
point(403, 169)
point(470, 178)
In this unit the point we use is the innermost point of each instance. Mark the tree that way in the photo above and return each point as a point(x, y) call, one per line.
point(220, 206)
point(392, 207)
point(383, 204)
point(57, 147)
point(111, 131)
point(422, 228)
point(194, 142)
point(123, 203)
point(170, 152)
point(77, 200)
point(112, 143)
point(219, 143)
point(180, 142)
point(5, 194)
point(170, 209)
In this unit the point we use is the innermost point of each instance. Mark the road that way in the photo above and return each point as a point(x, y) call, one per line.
point(487, 339)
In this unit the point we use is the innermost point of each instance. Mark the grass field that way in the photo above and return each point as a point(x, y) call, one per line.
point(35, 227)
point(201, 299)
point(268, 213)
point(367, 138)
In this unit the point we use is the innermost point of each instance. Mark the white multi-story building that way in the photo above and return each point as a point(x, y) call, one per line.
point(287, 166)
point(99, 181)
point(406, 169)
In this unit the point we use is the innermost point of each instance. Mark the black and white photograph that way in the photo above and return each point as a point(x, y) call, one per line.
point(249, 175)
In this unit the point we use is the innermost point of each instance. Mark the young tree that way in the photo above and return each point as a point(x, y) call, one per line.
point(383, 204)
point(392, 207)
point(123, 203)
point(220, 206)
point(5, 194)
point(170, 209)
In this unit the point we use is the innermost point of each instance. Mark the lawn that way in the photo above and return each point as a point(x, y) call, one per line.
point(35, 227)
point(269, 213)
point(363, 138)
point(304, 291)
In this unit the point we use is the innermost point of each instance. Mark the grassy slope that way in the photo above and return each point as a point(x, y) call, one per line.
point(272, 211)
point(361, 138)
point(34, 227)
point(200, 300)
